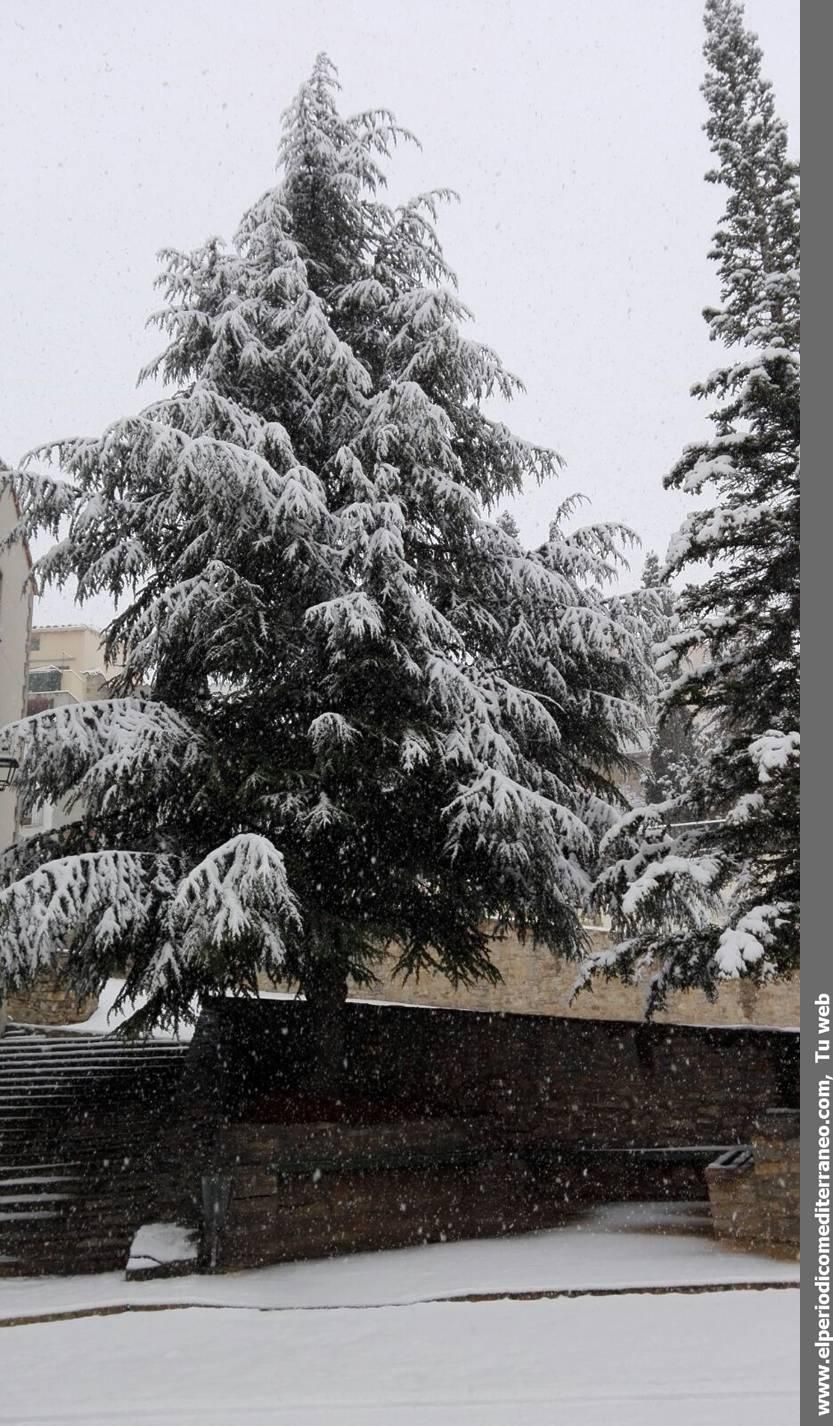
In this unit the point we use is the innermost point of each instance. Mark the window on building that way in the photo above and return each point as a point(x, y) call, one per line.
point(45, 680)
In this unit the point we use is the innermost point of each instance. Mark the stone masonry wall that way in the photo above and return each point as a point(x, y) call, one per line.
point(534, 982)
point(466, 1123)
point(611, 1082)
point(48, 1003)
point(755, 1197)
point(313, 1190)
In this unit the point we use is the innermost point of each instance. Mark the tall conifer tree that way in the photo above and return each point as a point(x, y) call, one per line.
point(673, 748)
point(354, 710)
point(721, 899)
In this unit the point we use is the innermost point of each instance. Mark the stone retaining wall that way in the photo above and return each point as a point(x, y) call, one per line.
point(755, 1200)
point(315, 1190)
point(458, 1124)
point(534, 982)
point(48, 1002)
point(610, 1082)
point(310, 1191)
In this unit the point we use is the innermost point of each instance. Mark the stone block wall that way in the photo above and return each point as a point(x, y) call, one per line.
point(309, 1191)
point(316, 1190)
point(534, 982)
point(457, 1124)
point(48, 1003)
point(755, 1197)
point(611, 1083)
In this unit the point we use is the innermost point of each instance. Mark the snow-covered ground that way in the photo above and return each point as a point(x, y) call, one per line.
point(621, 1246)
point(729, 1359)
point(367, 1340)
point(358, 1341)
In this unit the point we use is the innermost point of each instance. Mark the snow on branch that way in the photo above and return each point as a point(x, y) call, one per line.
point(347, 617)
point(330, 730)
point(517, 825)
point(746, 944)
point(238, 892)
point(107, 896)
point(774, 751)
point(653, 816)
point(747, 805)
point(212, 612)
point(102, 903)
point(43, 500)
point(700, 871)
point(99, 747)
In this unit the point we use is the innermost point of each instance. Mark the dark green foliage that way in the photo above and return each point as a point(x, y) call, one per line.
point(722, 898)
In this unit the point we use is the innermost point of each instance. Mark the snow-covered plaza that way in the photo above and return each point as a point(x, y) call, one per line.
point(364, 1340)
point(728, 1358)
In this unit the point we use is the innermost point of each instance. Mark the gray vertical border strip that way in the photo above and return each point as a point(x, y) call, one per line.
point(817, 791)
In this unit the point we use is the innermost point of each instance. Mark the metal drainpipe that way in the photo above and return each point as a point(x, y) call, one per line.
point(216, 1189)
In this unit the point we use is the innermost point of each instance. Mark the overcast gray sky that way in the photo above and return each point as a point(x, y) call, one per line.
point(572, 132)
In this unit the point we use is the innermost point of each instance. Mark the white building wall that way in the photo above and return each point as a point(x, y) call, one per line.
point(15, 626)
point(66, 665)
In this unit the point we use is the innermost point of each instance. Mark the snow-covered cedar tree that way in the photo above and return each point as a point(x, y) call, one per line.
point(698, 904)
point(355, 710)
point(674, 745)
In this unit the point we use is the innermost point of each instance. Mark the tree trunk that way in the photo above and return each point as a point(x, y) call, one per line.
point(325, 991)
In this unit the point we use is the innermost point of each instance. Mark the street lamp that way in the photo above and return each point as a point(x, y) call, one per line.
point(8, 769)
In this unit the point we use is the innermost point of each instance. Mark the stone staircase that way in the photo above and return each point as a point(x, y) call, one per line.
point(84, 1123)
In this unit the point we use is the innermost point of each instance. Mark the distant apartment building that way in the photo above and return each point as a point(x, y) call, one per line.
point(15, 626)
point(66, 665)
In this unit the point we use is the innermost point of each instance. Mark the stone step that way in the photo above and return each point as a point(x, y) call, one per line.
point(56, 1190)
point(81, 1126)
point(59, 1165)
point(84, 1072)
point(14, 1178)
point(85, 1059)
point(65, 1051)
